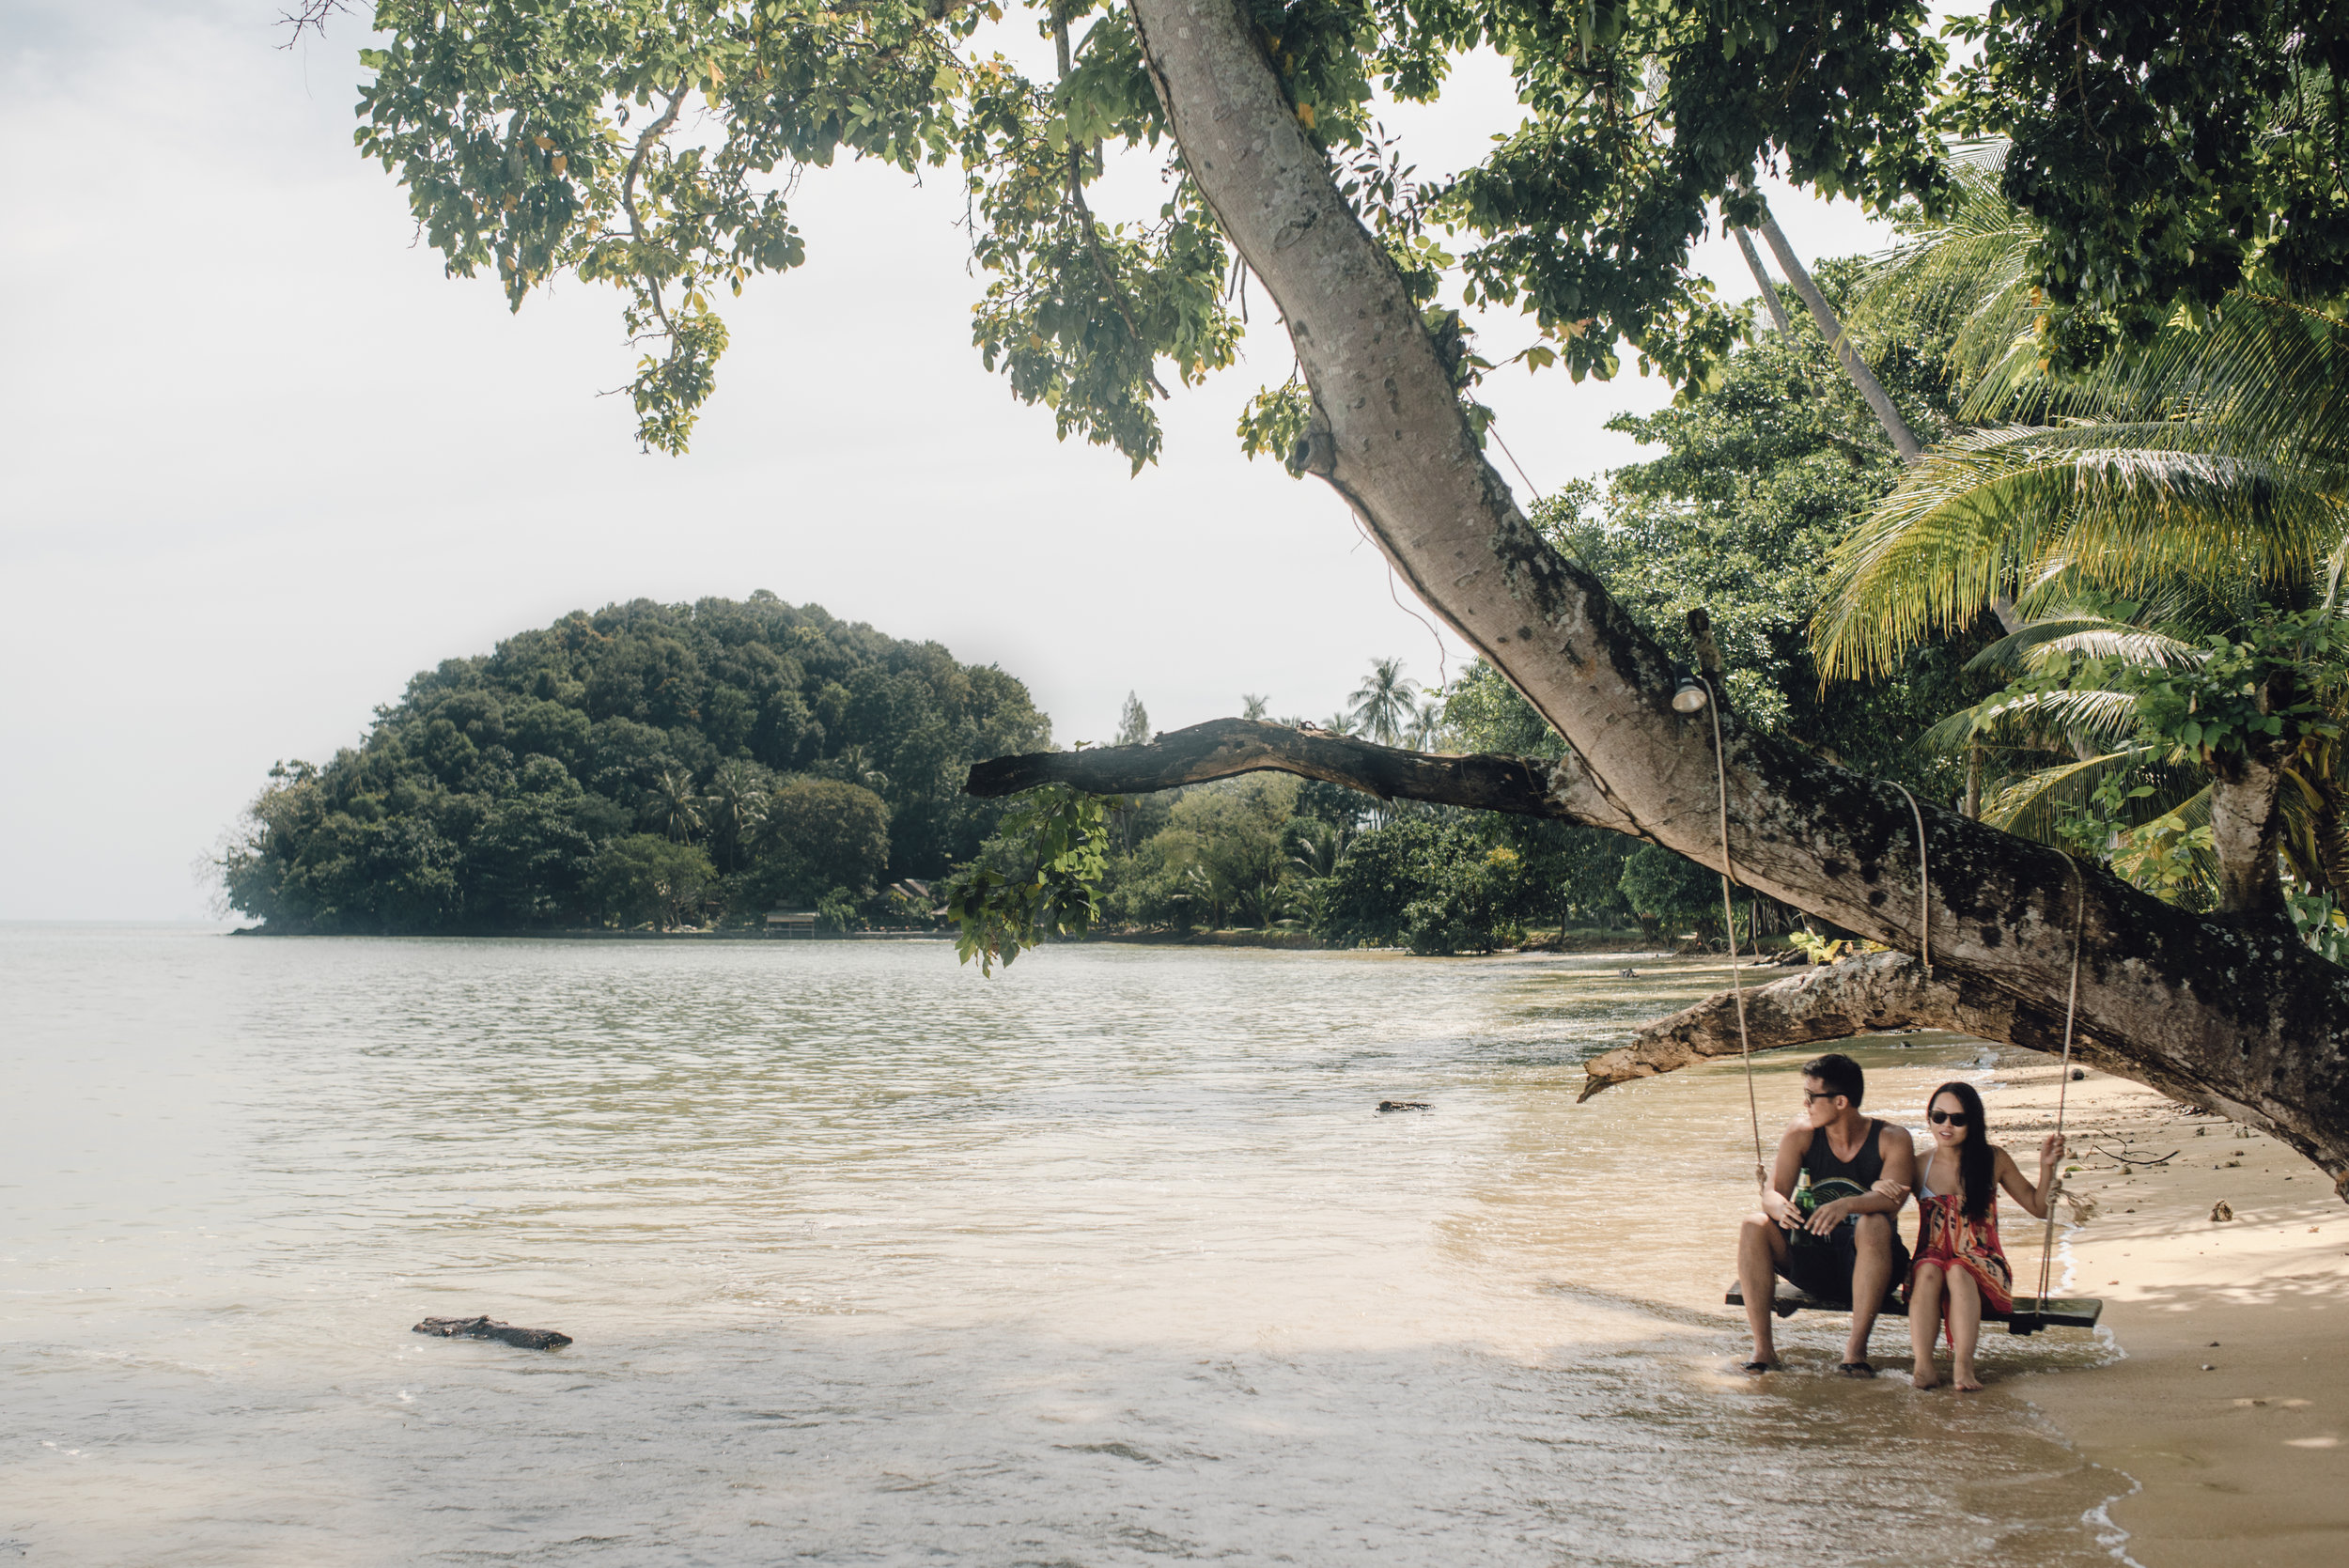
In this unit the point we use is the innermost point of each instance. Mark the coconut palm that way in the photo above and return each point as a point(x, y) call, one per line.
point(676, 806)
point(2214, 460)
point(853, 764)
point(1383, 703)
point(1428, 724)
point(1252, 706)
point(735, 807)
point(1964, 276)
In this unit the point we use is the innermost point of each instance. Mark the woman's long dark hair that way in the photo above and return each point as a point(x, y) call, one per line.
point(1977, 1167)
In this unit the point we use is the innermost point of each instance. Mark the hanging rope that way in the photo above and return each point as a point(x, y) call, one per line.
point(2063, 1079)
point(1729, 922)
point(1924, 891)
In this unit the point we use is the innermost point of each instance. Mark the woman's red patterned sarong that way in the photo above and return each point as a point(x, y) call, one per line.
point(1946, 1236)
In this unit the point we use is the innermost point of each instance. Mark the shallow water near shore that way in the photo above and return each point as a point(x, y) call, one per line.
point(1108, 1260)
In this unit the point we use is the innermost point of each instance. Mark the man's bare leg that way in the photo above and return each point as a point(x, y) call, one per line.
point(1761, 1247)
point(1871, 1277)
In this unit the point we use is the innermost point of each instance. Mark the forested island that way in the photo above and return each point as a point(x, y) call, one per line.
point(647, 764)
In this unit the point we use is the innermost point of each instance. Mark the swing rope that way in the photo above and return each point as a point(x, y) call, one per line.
point(2064, 1077)
point(1729, 923)
point(1925, 891)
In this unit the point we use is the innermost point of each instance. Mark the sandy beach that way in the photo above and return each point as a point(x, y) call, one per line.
point(2231, 1408)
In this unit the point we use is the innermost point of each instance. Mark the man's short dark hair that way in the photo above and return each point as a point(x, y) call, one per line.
point(1838, 1074)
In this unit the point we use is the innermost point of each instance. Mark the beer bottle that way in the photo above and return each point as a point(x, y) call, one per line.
point(1805, 1200)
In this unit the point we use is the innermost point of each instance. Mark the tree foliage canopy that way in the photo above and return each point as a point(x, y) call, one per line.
point(655, 144)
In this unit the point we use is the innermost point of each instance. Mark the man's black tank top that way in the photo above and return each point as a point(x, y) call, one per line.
point(1863, 1170)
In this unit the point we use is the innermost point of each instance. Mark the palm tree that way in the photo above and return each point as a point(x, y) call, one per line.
point(1315, 846)
point(1254, 706)
point(676, 806)
point(1428, 724)
point(734, 806)
point(854, 764)
point(1383, 703)
point(2194, 490)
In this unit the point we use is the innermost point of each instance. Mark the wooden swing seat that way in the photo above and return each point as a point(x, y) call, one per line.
point(2028, 1317)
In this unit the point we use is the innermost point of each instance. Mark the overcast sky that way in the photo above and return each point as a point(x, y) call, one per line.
point(263, 462)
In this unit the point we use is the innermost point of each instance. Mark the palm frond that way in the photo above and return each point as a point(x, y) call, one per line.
point(2043, 720)
point(2030, 806)
point(2266, 372)
point(2091, 636)
point(1967, 272)
point(2130, 508)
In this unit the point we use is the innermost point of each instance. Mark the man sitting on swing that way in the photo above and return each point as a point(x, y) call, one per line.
point(1826, 1218)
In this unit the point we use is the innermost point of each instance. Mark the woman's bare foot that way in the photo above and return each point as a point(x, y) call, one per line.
point(1962, 1378)
point(1926, 1375)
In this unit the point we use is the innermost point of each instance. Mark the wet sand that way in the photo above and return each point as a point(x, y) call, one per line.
point(2231, 1407)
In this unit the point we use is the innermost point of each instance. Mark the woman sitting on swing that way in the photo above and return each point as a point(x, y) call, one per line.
point(1959, 1265)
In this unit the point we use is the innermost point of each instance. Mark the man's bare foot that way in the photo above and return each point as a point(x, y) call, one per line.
point(1963, 1381)
point(1927, 1375)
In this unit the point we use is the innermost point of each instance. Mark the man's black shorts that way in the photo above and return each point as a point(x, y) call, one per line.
point(1822, 1266)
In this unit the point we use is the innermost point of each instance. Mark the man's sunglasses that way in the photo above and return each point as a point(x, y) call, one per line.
point(1955, 1118)
point(1823, 1094)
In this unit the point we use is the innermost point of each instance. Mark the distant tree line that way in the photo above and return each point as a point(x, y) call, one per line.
point(647, 764)
point(1270, 851)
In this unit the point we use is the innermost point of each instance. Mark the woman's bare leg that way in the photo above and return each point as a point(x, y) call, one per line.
point(1924, 1323)
point(1965, 1328)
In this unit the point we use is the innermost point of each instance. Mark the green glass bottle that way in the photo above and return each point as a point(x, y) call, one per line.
point(1805, 1200)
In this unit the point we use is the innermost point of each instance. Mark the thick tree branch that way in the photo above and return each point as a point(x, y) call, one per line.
point(1220, 748)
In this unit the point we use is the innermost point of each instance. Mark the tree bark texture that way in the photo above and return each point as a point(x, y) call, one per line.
point(2245, 830)
point(1770, 300)
point(2239, 1015)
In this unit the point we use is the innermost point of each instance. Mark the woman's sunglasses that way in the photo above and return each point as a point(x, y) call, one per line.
point(1955, 1118)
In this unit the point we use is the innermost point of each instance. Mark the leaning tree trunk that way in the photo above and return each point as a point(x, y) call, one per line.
point(2238, 1015)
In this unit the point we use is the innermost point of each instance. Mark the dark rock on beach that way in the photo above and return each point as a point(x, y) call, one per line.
point(1402, 1105)
point(487, 1329)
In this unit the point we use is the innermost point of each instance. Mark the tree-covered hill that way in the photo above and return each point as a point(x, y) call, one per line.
point(648, 762)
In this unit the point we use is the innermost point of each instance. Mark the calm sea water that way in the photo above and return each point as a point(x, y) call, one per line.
point(1109, 1260)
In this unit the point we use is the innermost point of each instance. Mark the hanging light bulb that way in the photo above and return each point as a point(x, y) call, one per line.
point(1692, 696)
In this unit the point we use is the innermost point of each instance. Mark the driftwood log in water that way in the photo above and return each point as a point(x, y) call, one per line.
point(488, 1329)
